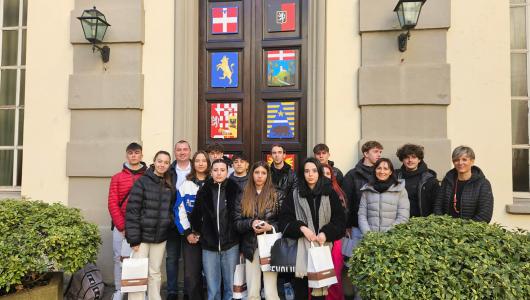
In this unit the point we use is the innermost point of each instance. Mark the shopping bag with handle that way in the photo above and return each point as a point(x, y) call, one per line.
point(134, 272)
point(320, 269)
point(265, 243)
point(239, 290)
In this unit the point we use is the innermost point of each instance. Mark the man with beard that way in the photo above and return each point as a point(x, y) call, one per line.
point(420, 181)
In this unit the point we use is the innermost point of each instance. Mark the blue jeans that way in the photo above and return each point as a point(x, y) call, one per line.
point(219, 267)
point(173, 247)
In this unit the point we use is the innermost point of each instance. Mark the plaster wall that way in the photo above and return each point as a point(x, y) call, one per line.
point(158, 66)
point(480, 114)
point(343, 59)
point(47, 117)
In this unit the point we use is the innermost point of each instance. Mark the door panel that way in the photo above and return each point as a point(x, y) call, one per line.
point(252, 76)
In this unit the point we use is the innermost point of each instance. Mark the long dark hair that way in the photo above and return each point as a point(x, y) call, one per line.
point(193, 173)
point(303, 188)
point(392, 177)
point(168, 179)
point(266, 199)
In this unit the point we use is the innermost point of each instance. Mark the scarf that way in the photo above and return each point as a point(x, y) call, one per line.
point(303, 213)
point(383, 186)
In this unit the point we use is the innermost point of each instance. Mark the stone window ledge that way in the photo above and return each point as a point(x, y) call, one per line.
point(519, 206)
point(12, 194)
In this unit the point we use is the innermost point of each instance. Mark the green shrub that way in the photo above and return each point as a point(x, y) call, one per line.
point(37, 238)
point(443, 258)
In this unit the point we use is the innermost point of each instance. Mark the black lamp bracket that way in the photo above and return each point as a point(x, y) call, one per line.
point(105, 52)
point(402, 41)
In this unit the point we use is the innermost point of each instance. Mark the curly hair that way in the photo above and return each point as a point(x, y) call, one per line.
point(410, 149)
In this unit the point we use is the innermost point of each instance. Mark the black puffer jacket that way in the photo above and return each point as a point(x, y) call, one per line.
point(148, 214)
point(241, 181)
point(426, 190)
point(354, 180)
point(216, 201)
point(334, 230)
point(284, 179)
point(249, 241)
point(477, 197)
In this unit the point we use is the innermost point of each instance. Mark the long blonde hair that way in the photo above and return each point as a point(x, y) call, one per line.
point(254, 204)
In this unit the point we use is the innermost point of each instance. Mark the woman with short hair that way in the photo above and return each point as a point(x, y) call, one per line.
point(384, 202)
point(465, 192)
point(212, 219)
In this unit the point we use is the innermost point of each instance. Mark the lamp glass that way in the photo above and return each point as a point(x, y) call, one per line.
point(94, 25)
point(408, 12)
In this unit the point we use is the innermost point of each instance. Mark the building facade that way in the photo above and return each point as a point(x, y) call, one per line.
point(66, 117)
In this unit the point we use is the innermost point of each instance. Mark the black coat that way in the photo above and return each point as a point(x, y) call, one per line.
point(354, 180)
point(249, 241)
point(476, 201)
point(216, 236)
point(427, 190)
point(284, 179)
point(334, 230)
point(148, 213)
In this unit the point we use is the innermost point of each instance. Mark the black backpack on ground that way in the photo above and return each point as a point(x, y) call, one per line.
point(85, 284)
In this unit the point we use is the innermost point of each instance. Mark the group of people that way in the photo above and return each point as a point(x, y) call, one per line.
point(212, 208)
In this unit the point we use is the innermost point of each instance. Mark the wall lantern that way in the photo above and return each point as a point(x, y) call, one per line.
point(94, 27)
point(408, 12)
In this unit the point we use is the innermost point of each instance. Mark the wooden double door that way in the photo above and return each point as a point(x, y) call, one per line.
point(253, 76)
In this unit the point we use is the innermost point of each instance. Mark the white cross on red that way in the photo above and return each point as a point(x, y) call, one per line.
point(225, 20)
point(281, 54)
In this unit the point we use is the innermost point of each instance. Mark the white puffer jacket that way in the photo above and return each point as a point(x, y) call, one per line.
point(381, 211)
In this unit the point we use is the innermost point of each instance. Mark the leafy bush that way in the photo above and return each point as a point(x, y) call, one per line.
point(443, 258)
point(37, 238)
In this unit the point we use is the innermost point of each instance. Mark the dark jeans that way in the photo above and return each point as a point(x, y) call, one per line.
point(192, 256)
point(301, 290)
point(173, 248)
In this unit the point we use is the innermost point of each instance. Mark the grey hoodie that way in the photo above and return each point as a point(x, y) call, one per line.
point(381, 211)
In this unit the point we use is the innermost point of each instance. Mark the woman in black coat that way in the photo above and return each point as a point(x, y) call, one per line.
point(312, 213)
point(148, 219)
point(258, 213)
point(213, 220)
point(465, 191)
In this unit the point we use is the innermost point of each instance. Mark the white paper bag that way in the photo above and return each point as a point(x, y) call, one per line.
point(125, 250)
point(320, 270)
point(265, 243)
point(239, 290)
point(134, 272)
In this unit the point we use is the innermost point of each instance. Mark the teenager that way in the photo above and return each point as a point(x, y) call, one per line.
point(357, 177)
point(191, 247)
point(384, 202)
point(312, 213)
point(148, 220)
point(283, 177)
point(217, 151)
point(212, 219)
point(465, 191)
point(240, 175)
point(119, 189)
point(179, 169)
point(321, 152)
point(335, 292)
point(256, 213)
point(420, 181)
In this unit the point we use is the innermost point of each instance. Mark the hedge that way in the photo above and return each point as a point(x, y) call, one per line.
point(37, 238)
point(443, 258)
